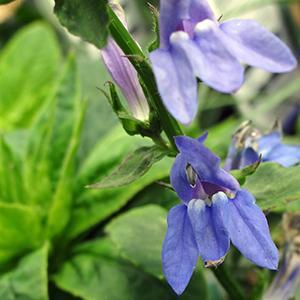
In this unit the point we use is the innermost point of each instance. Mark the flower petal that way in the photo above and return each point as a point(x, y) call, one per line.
point(209, 225)
point(232, 161)
point(267, 142)
point(125, 76)
point(252, 44)
point(285, 155)
point(209, 57)
point(205, 163)
point(203, 137)
point(180, 253)
point(249, 156)
point(249, 231)
point(200, 10)
point(176, 83)
point(179, 179)
point(172, 13)
point(181, 14)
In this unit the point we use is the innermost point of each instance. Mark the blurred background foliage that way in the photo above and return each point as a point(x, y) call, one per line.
point(58, 133)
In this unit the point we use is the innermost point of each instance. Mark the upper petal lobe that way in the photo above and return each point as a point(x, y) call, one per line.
point(254, 45)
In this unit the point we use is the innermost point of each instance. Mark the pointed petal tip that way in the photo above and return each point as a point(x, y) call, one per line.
point(288, 66)
point(180, 253)
point(186, 118)
point(249, 231)
point(178, 288)
point(272, 263)
point(203, 137)
point(180, 140)
point(183, 142)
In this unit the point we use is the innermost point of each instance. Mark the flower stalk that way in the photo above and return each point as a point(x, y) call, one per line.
point(229, 284)
point(139, 61)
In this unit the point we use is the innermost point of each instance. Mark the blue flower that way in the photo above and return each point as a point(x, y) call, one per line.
point(271, 148)
point(248, 145)
point(193, 44)
point(213, 212)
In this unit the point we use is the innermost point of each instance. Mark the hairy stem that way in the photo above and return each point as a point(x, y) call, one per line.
point(229, 284)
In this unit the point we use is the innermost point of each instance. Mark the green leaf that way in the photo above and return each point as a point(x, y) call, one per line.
point(34, 75)
point(92, 273)
point(275, 188)
point(242, 174)
point(94, 206)
point(87, 19)
point(130, 124)
point(101, 161)
point(20, 230)
point(68, 113)
point(139, 236)
point(50, 137)
point(11, 185)
point(133, 167)
point(28, 280)
point(155, 17)
point(60, 210)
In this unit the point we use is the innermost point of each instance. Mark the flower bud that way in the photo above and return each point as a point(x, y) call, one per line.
point(124, 74)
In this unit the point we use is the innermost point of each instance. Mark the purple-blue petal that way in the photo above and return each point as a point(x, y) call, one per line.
point(254, 45)
point(210, 226)
point(249, 231)
point(209, 57)
point(200, 10)
point(232, 161)
point(179, 179)
point(205, 163)
point(176, 83)
point(180, 253)
point(267, 142)
point(181, 14)
point(172, 13)
point(285, 155)
point(195, 149)
point(125, 76)
point(248, 157)
point(203, 137)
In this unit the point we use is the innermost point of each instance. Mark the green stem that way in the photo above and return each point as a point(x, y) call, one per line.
point(139, 61)
point(229, 284)
point(158, 140)
point(291, 26)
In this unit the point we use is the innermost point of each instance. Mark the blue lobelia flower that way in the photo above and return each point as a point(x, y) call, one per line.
point(193, 44)
point(214, 210)
point(248, 144)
